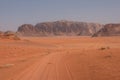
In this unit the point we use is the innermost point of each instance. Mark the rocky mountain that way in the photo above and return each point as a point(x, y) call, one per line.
point(109, 30)
point(59, 28)
point(26, 30)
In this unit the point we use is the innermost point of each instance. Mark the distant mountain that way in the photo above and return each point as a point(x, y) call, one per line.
point(59, 28)
point(109, 30)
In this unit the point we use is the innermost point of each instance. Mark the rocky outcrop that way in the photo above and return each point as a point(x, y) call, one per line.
point(109, 30)
point(59, 28)
point(1, 33)
point(9, 35)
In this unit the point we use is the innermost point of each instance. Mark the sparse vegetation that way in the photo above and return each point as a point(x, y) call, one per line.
point(23, 60)
point(104, 48)
point(108, 56)
point(49, 63)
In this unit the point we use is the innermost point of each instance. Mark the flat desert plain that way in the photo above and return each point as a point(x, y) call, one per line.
point(60, 58)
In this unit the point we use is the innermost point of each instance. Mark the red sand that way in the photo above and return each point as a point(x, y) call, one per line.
point(60, 58)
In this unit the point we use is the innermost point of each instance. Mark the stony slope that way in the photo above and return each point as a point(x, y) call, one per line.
point(109, 30)
point(59, 28)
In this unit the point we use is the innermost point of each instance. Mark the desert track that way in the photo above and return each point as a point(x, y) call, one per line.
point(81, 58)
point(50, 67)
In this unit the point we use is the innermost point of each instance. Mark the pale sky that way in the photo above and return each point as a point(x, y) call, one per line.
point(14, 13)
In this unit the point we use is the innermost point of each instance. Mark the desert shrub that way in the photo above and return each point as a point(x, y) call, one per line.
point(103, 48)
point(108, 56)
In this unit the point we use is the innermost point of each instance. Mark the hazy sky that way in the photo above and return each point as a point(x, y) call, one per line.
point(14, 13)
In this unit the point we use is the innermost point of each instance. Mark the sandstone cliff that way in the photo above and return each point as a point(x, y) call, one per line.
point(109, 30)
point(59, 28)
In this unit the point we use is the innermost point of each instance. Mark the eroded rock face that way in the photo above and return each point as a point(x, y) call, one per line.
point(109, 30)
point(26, 29)
point(60, 28)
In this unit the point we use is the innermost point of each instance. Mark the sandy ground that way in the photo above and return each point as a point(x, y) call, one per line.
point(60, 58)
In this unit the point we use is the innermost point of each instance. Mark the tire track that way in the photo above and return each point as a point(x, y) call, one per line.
point(40, 69)
point(62, 70)
point(22, 76)
point(46, 71)
point(68, 68)
point(52, 74)
point(50, 67)
point(32, 72)
point(68, 71)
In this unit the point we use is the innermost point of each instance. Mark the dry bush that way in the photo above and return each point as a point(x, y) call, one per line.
point(104, 48)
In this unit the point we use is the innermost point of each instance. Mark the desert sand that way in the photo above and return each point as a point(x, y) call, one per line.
point(60, 58)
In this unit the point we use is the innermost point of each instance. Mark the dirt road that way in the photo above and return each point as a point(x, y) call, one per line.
point(52, 67)
point(61, 59)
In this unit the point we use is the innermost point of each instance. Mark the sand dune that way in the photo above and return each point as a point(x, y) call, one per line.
point(60, 58)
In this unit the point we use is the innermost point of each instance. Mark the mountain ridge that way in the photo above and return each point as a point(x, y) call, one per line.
point(59, 28)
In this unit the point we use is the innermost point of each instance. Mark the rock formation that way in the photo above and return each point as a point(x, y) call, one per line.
point(109, 30)
point(59, 28)
point(9, 35)
point(1, 33)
